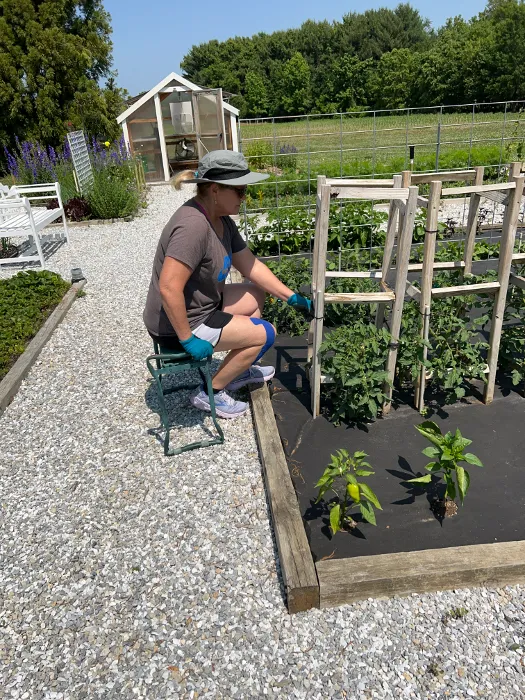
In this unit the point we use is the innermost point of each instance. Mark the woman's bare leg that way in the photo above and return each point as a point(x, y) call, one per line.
point(244, 339)
point(244, 299)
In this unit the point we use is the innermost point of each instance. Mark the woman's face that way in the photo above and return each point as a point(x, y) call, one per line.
point(229, 199)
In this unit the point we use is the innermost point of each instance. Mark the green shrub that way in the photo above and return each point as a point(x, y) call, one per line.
point(111, 197)
point(26, 300)
point(259, 154)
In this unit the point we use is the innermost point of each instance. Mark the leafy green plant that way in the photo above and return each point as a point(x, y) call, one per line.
point(354, 358)
point(26, 300)
point(454, 614)
point(294, 273)
point(259, 154)
point(356, 494)
point(112, 198)
point(447, 451)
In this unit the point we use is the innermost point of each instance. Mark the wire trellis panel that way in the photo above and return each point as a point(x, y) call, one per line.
point(81, 161)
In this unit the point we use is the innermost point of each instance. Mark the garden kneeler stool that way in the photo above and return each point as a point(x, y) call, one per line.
point(164, 362)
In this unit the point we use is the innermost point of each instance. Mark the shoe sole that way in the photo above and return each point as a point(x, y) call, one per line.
point(244, 382)
point(197, 403)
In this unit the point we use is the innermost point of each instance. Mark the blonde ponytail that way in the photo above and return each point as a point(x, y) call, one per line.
point(177, 180)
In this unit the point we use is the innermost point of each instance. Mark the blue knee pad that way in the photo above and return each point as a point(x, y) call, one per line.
point(270, 335)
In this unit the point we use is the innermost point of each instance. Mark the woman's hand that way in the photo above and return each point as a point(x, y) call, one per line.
point(300, 303)
point(196, 347)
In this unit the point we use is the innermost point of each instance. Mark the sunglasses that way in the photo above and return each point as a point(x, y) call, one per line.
point(241, 191)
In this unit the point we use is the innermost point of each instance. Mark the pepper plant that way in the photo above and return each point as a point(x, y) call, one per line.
point(447, 451)
point(356, 494)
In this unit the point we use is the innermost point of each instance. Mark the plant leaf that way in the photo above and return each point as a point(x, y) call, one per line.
point(335, 518)
point(421, 479)
point(370, 495)
point(367, 512)
point(431, 452)
point(463, 479)
point(431, 431)
point(472, 459)
point(363, 472)
point(433, 467)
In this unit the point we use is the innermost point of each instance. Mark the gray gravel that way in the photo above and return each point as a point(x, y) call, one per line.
point(127, 574)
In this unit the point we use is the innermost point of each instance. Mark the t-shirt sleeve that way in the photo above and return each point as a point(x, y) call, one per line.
point(188, 241)
point(238, 243)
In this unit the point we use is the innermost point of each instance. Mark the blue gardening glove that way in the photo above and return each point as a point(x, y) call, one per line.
point(196, 347)
point(300, 303)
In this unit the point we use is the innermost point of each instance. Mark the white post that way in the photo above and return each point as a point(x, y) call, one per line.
point(233, 127)
point(125, 132)
point(163, 149)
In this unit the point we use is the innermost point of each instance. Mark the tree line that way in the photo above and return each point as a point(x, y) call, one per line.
point(54, 54)
point(378, 59)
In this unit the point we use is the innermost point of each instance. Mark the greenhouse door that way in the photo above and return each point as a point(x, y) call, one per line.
point(208, 114)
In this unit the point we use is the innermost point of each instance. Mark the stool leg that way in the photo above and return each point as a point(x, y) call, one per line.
point(163, 413)
point(209, 388)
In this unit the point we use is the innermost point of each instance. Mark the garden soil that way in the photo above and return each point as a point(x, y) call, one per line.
point(494, 506)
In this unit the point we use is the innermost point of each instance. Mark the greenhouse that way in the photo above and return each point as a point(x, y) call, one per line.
point(174, 124)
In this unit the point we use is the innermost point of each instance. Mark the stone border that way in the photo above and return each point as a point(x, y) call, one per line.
point(11, 382)
point(91, 222)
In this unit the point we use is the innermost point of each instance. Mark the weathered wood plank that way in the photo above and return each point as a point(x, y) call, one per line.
point(477, 189)
point(422, 202)
point(348, 580)
point(446, 176)
point(464, 290)
point(414, 267)
point(359, 298)
point(508, 237)
point(413, 292)
point(388, 252)
point(297, 567)
point(517, 281)
point(375, 193)
point(335, 182)
point(373, 275)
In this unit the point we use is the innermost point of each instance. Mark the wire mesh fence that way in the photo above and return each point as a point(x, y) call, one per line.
point(279, 213)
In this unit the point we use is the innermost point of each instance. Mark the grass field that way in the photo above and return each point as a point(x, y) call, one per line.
point(387, 136)
point(364, 144)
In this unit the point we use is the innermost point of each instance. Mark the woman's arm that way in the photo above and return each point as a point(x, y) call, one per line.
point(173, 278)
point(261, 275)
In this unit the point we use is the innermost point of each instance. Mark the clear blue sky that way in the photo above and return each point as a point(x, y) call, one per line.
point(150, 39)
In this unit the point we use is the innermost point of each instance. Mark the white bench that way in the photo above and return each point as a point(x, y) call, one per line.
point(20, 219)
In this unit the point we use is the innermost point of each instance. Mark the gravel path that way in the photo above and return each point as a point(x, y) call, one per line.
point(127, 574)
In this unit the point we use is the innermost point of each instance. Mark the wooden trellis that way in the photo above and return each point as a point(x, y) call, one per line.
point(403, 200)
point(509, 194)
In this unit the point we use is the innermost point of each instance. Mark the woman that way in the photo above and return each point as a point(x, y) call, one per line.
point(189, 304)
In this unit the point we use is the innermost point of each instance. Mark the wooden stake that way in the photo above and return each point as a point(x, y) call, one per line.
point(402, 258)
point(505, 261)
point(427, 275)
point(321, 180)
point(393, 219)
point(322, 221)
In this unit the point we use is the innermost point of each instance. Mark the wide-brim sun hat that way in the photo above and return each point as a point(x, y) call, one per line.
point(226, 168)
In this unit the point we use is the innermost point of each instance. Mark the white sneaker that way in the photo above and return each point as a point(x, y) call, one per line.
point(256, 374)
point(225, 406)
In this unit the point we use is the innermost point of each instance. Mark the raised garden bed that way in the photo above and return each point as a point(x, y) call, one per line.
point(32, 304)
point(412, 549)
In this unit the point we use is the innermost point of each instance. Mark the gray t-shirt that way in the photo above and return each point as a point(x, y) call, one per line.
point(189, 237)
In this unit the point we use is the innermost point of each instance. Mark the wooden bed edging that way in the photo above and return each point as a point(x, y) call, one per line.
point(19, 371)
point(383, 575)
point(297, 566)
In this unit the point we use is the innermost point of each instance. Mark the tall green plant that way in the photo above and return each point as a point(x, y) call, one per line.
point(447, 451)
point(356, 494)
point(354, 358)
